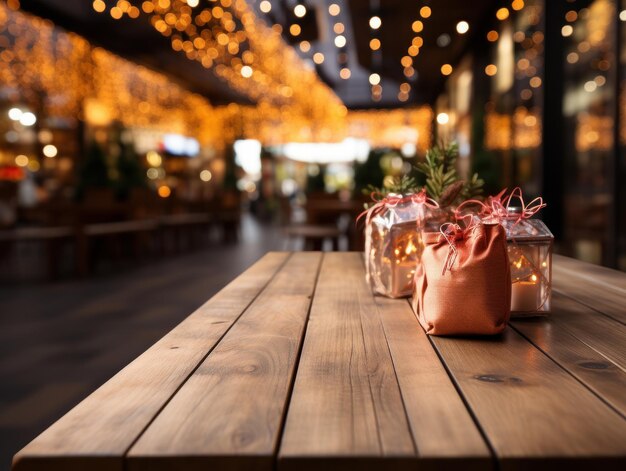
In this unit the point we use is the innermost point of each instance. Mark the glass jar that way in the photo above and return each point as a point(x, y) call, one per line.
point(394, 245)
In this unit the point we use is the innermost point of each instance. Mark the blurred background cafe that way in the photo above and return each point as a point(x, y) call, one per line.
point(134, 131)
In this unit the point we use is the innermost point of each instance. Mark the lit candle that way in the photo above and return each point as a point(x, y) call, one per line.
point(525, 295)
point(403, 267)
point(402, 278)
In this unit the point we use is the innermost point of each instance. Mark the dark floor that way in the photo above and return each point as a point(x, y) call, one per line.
point(60, 341)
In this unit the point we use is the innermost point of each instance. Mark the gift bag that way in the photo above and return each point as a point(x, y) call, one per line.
point(463, 284)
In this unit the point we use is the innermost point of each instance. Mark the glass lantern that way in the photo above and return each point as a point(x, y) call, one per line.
point(393, 246)
point(529, 244)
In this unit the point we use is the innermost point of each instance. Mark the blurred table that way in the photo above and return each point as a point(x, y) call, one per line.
point(295, 365)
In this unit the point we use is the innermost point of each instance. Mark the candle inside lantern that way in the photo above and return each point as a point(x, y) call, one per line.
point(525, 295)
point(403, 268)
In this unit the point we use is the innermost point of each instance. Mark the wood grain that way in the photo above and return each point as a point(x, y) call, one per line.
point(97, 432)
point(597, 287)
point(346, 405)
point(589, 345)
point(228, 415)
point(530, 409)
point(442, 427)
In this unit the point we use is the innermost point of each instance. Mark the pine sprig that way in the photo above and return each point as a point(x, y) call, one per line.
point(442, 181)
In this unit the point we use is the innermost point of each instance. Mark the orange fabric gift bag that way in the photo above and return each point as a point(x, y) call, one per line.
point(463, 284)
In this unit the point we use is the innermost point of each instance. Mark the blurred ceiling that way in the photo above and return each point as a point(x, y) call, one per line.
point(136, 40)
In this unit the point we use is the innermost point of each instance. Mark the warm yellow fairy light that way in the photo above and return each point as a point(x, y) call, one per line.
point(462, 27)
point(425, 12)
point(491, 70)
point(405, 87)
point(164, 191)
point(417, 26)
point(205, 175)
point(99, 6)
point(334, 9)
point(492, 36)
point(567, 30)
point(517, 5)
point(295, 30)
point(318, 58)
point(345, 73)
point(21, 160)
point(535, 82)
point(246, 71)
point(375, 44)
point(339, 28)
point(502, 14)
point(374, 79)
point(305, 46)
point(446, 69)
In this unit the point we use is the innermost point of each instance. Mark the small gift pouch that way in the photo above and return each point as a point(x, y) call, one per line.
point(463, 285)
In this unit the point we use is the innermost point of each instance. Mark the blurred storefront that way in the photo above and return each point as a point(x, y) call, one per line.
point(545, 112)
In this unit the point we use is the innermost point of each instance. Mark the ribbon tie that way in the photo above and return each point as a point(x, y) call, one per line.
point(498, 208)
point(381, 203)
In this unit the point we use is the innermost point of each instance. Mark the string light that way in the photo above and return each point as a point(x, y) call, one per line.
point(345, 73)
point(425, 12)
point(334, 9)
point(502, 14)
point(318, 58)
point(375, 22)
point(491, 70)
point(374, 79)
point(299, 10)
point(339, 28)
point(265, 6)
point(446, 69)
point(492, 36)
point(462, 27)
point(340, 41)
point(375, 44)
point(517, 5)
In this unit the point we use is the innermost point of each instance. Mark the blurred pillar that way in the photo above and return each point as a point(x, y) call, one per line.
point(553, 161)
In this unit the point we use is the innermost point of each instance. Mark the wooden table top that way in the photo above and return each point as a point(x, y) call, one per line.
point(295, 365)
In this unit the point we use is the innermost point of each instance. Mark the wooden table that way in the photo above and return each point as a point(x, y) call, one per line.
point(295, 365)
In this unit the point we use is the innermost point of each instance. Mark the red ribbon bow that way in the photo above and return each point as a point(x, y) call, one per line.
point(497, 207)
point(391, 201)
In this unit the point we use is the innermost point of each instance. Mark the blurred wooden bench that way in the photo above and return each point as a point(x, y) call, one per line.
point(51, 237)
point(296, 365)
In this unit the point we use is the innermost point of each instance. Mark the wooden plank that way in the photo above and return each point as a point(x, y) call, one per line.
point(97, 432)
point(346, 405)
point(597, 287)
point(442, 427)
point(532, 411)
point(228, 415)
point(589, 345)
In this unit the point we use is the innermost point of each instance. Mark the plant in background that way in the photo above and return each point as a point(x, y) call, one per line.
point(94, 172)
point(442, 181)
